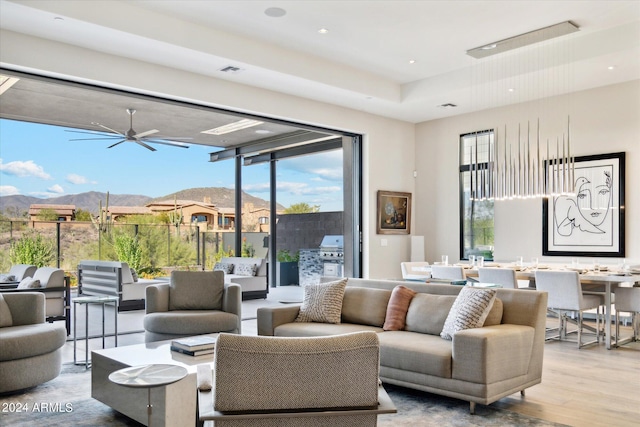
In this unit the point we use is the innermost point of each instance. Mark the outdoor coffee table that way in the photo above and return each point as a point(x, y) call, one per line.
point(173, 405)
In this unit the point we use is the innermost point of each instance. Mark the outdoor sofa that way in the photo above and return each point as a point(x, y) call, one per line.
point(114, 278)
point(480, 365)
point(241, 270)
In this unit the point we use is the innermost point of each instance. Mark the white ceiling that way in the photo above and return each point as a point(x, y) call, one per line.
point(363, 61)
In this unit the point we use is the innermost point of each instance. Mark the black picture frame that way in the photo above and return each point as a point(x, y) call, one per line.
point(584, 224)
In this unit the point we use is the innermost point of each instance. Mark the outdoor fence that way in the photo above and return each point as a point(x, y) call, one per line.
point(158, 248)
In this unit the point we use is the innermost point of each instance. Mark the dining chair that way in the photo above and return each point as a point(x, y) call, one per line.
point(448, 272)
point(501, 276)
point(565, 296)
point(415, 270)
point(627, 301)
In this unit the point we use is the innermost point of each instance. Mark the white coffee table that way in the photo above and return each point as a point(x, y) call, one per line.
point(173, 405)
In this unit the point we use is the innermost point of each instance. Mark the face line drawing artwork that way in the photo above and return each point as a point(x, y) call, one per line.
point(588, 209)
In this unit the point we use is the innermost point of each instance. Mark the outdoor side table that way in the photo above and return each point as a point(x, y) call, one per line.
point(86, 301)
point(148, 376)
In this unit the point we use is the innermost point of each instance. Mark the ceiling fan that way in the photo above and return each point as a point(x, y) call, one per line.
point(131, 135)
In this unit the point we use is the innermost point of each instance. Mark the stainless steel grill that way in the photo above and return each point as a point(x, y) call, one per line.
point(332, 255)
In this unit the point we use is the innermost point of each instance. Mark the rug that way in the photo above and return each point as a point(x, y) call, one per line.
point(66, 400)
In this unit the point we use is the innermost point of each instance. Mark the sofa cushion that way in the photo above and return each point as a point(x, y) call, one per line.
point(29, 283)
point(246, 269)
point(427, 313)
point(226, 267)
point(134, 274)
point(322, 302)
point(469, 310)
point(495, 314)
point(397, 308)
point(20, 342)
point(196, 290)
point(5, 314)
point(190, 322)
point(421, 353)
point(314, 329)
point(364, 306)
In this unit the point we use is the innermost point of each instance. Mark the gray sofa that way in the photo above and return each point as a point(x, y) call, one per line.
point(30, 349)
point(479, 365)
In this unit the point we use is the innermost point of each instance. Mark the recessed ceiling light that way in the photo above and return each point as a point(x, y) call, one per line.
point(232, 127)
point(611, 67)
point(323, 31)
point(263, 131)
point(511, 89)
point(489, 46)
point(412, 61)
point(275, 12)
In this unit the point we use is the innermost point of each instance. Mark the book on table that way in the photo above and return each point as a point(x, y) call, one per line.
point(193, 353)
point(196, 343)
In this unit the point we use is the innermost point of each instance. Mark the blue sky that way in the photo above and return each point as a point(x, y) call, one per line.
point(40, 161)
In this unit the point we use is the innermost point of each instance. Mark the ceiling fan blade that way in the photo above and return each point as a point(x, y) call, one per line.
point(109, 129)
point(119, 142)
point(94, 139)
point(143, 134)
point(96, 133)
point(148, 147)
point(172, 144)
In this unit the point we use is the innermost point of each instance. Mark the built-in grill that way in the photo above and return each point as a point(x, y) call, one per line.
point(332, 255)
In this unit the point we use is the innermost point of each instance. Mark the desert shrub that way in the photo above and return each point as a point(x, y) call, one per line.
point(33, 248)
point(128, 249)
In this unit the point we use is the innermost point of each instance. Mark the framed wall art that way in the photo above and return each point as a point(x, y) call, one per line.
point(590, 220)
point(393, 212)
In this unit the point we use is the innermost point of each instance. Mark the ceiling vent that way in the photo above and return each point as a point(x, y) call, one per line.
point(231, 69)
point(447, 105)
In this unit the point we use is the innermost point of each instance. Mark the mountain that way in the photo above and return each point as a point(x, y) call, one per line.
point(90, 201)
point(219, 196)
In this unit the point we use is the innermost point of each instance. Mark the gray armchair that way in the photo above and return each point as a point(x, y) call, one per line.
point(193, 303)
point(30, 349)
point(293, 382)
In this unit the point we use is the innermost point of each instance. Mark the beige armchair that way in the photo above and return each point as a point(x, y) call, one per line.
point(294, 382)
point(193, 303)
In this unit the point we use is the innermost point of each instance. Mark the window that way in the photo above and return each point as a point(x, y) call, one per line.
point(476, 207)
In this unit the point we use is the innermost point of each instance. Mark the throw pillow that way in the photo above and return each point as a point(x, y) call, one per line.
point(29, 283)
point(196, 290)
point(322, 302)
point(401, 297)
point(495, 315)
point(134, 274)
point(227, 267)
point(246, 269)
point(469, 310)
point(7, 278)
point(5, 314)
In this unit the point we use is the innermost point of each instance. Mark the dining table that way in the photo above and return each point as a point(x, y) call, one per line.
point(604, 282)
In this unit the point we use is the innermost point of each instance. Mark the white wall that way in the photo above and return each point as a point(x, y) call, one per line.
point(603, 120)
point(388, 144)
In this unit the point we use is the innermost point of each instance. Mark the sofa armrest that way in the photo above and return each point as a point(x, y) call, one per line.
point(157, 298)
point(492, 353)
point(27, 308)
point(269, 318)
point(232, 299)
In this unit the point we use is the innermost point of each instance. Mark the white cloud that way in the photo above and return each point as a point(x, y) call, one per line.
point(56, 189)
point(24, 169)
point(78, 179)
point(327, 166)
point(8, 190)
point(256, 188)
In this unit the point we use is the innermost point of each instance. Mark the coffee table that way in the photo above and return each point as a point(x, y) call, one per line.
point(173, 405)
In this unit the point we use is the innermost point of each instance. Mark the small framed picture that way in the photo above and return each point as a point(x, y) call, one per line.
point(393, 213)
